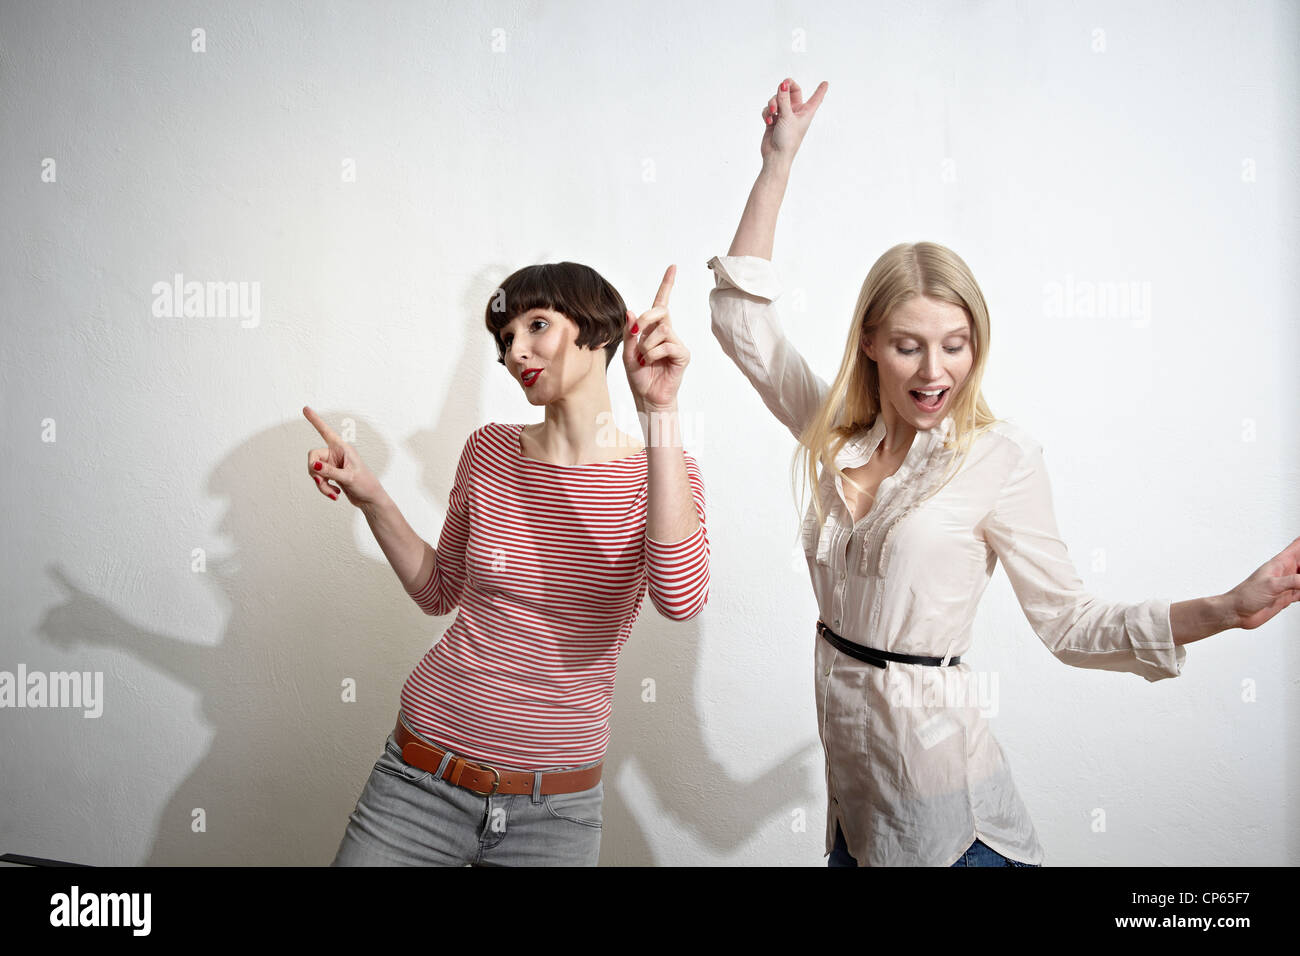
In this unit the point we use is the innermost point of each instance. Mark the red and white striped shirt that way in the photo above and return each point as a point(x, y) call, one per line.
point(548, 565)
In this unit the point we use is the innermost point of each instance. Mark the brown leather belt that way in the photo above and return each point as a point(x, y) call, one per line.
point(418, 752)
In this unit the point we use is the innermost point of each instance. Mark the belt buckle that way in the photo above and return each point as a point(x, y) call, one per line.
point(496, 775)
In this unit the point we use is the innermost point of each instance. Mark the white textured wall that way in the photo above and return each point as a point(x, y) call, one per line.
point(624, 136)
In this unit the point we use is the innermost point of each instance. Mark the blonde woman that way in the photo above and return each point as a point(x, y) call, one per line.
point(920, 492)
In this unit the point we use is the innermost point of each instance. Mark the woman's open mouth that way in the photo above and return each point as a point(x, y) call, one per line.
point(930, 400)
point(530, 376)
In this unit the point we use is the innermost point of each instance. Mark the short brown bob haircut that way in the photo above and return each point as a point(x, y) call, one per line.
point(570, 288)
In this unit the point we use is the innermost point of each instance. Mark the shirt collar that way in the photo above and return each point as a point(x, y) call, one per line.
point(861, 446)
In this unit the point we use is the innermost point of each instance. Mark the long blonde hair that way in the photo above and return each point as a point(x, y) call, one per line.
point(904, 272)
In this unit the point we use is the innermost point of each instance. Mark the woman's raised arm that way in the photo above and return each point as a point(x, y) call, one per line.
point(745, 320)
point(787, 117)
point(676, 537)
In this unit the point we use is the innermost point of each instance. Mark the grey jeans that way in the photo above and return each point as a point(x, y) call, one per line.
point(406, 816)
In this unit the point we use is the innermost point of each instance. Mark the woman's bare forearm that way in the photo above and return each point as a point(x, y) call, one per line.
point(410, 555)
point(670, 509)
point(757, 230)
point(1201, 617)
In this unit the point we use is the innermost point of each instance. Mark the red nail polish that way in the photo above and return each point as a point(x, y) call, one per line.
point(640, 359)
point(634, 328)
point(785, 85)
point(334, 497)
point(318, 466)
point(767, 120)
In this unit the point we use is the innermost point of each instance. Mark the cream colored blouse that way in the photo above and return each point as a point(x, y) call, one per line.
point(913, 774)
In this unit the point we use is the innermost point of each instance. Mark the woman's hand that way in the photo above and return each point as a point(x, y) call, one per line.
point(340, 463)
point(653, 355)
point(1275, 585)
point(787, 117)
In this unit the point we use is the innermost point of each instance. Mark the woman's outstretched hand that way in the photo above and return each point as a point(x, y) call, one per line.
point(340, 463)
point(1275, 585)
point(653, 355)
point(787, 117)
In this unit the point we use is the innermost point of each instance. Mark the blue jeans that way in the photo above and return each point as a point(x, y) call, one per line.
point(408, 817)
point(979, 854)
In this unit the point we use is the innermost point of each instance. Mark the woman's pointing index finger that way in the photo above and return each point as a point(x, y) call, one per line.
point(665, 287)
point(318, 423)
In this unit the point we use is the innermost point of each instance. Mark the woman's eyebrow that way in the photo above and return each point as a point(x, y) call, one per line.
point(537, 313)
point(526, 317)
point(918, 335)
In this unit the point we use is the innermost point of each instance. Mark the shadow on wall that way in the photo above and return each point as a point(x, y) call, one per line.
point(696, 799)
point(288, 757)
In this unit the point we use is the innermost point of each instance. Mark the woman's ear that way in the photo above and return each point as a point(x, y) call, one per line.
point(865, 343)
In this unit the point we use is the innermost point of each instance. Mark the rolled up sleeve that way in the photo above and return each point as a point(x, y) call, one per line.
point(747, 326)
point(1079, 628)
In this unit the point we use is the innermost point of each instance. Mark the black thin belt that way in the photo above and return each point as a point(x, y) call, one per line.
point(872, 656)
